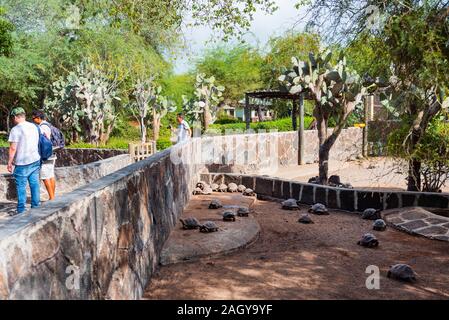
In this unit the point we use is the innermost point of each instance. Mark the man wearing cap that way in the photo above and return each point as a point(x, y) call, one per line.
point(24, 159)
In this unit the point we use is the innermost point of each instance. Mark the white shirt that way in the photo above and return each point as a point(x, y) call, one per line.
point(183, 131)
point(26, 136)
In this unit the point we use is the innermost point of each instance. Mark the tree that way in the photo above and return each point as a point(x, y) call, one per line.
point(84, 103)
point(335, 90)
point(414, 37)
point(237, 68)
point(6, 28)
point(147, 96)
point(281, 51)
point(206, 98)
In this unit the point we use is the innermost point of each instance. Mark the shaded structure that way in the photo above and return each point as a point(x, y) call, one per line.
point(297, 110)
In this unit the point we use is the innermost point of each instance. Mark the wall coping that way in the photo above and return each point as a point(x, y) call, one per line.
point(16, 224)
point(361, 198)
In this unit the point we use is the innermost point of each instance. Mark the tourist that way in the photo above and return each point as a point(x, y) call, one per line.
point(47, 173)
point(24, 159)
point(184, 131)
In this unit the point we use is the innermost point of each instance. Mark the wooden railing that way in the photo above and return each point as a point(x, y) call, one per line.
point(140, 151)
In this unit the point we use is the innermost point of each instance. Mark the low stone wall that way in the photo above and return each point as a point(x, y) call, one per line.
point(335, 198)
point(73, 157)
point(258, 153)
point(69, 178)
point(108, 234)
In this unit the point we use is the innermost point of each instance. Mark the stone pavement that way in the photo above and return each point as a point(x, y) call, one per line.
point(188, 245)
point(419, 221)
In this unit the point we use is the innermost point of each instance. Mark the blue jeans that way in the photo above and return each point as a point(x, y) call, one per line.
point(23, 174)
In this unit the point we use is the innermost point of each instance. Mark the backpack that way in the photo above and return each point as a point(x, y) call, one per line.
point(45, 146)
point(57, 138)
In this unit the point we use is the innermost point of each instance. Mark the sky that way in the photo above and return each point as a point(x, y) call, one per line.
point(263, 27)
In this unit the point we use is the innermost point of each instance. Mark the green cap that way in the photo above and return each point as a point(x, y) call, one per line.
point(16, 111)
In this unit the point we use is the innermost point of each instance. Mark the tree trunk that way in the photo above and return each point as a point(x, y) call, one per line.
point(323, 154)
point(156, 126)
point(259, 113)
point(143, 130)
point(207, 117)
point(414, 176)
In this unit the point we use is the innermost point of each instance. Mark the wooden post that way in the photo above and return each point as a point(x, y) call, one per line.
point(247, 112)
point(301, 150)
point(365, 128)
point(294, 115)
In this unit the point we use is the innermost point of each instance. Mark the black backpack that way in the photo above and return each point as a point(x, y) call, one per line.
point(57, 138)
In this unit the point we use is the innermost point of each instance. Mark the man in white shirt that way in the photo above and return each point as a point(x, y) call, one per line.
point(47, 173)
point(184, 131)
point(24, 159)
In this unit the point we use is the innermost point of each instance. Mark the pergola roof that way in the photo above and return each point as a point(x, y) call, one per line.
point(276, 94)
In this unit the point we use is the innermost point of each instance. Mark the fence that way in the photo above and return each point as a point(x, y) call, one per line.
point(140, 151)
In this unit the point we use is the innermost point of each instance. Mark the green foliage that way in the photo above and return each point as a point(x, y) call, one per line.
point(207, 96)
point(432, 152)
point(163, 143)
point(280, 125)
point(6, 28)
point(238, 69)
point(282, 49)
point(177, 86)
point(84, 102)
point(225, 119)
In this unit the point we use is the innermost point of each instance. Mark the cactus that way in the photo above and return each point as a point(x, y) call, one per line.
point(336, 92)
point(147, 96)
point(83, 102)
point(207, 97)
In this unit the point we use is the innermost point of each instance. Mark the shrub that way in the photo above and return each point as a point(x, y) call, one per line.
point(163, 143)
point(432, 151)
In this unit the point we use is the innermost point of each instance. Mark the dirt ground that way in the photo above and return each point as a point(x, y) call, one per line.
point(379, 173)
point(319, 261)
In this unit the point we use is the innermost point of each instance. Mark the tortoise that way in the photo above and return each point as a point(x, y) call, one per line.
point(201, 185)
point(379, 225)
point(241, 188)
point(290, 204)
point(228, 216)
point(334, 180)
point(197, 190)
point(249, 192)
point(207, 190)
point(214, 187)
point(305, 218)
point(319, 209)
point(371, 214)
point(368, 240)
point(223, 188)
point(215, 204)
point(402, 272)
point(232, 187)
point(314, 180)
point(243, 212)
point(190, 223)
point(208, 226)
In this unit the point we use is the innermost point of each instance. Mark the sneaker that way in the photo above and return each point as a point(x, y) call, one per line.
point(14, 212)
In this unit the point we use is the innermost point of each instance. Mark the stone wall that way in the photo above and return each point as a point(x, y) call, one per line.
point(110, 232)
point(69, 178)
point(73, 157)
point(335, 198)
point(257, 153)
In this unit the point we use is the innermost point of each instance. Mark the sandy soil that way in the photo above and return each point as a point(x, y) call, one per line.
point(320, 261)
point(374, 173)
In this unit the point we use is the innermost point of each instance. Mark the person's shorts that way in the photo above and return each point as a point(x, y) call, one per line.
point(48, 169)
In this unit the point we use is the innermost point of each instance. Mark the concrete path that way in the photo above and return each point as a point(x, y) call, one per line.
point(419, 221)
point(187, 245)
